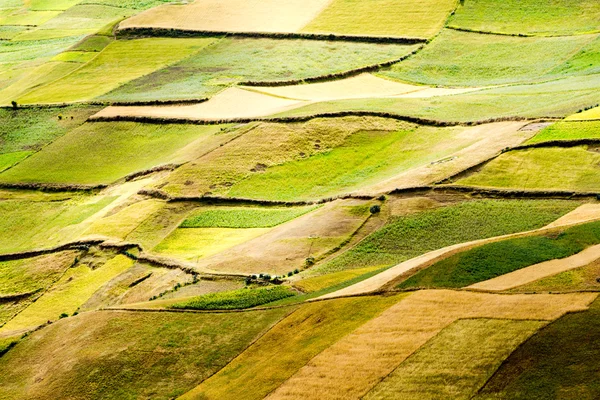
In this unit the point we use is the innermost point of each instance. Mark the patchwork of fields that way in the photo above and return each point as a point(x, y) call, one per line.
point(318, 199)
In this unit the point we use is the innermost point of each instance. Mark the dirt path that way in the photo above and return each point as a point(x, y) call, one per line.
point(586, 212)
point(231, 103)
point(539, 271)
point(378, 281)
point(491, 139)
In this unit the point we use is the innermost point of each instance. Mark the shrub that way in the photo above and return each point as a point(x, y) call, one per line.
point(376, 209)
point(63, 315)
point(14, 105)
point(290, 273)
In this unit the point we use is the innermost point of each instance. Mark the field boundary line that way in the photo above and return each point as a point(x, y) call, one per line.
point(521, 35)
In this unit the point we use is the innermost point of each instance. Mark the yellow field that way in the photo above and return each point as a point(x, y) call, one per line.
point(231, 15)
point(590, 114)
point(355, 364)
point(324, 281)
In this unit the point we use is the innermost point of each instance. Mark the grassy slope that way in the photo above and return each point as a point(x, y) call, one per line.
point(263, 146)
point(457, 361)
point(407, 237)
point(236, 299)
point(118, 63)
point(591, 114)
point(495, 259)
point(289, 346)
point(566, 130)
point(469, 59)
point(233, 60)
point(551, 99)
point(246, 217)
point(547, 168)
point(363, 158)
point(536, 370)
point(412, 18)
point(128, 355)
point(538, 17)
point(103, 152)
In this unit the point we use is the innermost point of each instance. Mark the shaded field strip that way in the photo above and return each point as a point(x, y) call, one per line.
point(305, 118)
point(36, 106)
point(525, 35)
point(78, 245)
point(388, 279)
point(138, 308)
point(189, 33)
point(561, 143)
point(332, 77)
point(53, 187)
point(495, 193)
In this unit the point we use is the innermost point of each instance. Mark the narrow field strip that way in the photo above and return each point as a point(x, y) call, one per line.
point(539, 271)
point(456, 362)
point(381, 280)
point(355, 364)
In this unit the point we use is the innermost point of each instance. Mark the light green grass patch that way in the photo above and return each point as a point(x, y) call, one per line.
point(304, 334)
point(407, 18)
point(95, 43)
point(456, 362)
point(18, 51)
point(53, 5)
point(70, 292)
point(470, 59)
point(75, 56)
point(410, 236)
point(113, 359)
point(27, 17)
point(551, 168)
point(9, 32)
point(364, 158)
point(537, 17)
point(7, 160)
point(230, 61)
point(566, 130)
point(195, 243)
point(245, 217)
point(103, 152)
point(118, 63)
point(236, 299)
point(591, 114)
point(317, 283)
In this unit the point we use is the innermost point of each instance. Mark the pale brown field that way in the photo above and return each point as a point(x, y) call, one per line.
point(231, 15)
point(584, 213)
point(356, 363)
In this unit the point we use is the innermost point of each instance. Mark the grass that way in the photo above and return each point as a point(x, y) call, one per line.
point(73, 289)
point(230, 61)
point(129, 355)
point(94, 43)
point(27, 18)
point(243, 217)
point(31, 129)
point(38, 223)
point(263, 146)
point(133, 4)
point(558, 98)
point(566, 130)
point(536, 17)
point(81, 57)
point(550, 168)
point(536, 370)
point(495, 259)
point(580, 279)
point(33, 274)
point(323, 282)
point(7, 160)
point(236, 299)
point(195, 243)
point(592, 114)
point(407, 237)
point(469, 59)
point(117, 64)
point(411, 18)
point(304, 334)
point(364, 158)
point(103, 152)
point(468, 351)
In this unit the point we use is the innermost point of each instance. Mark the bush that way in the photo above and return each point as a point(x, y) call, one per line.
point(14, 105)
point(310, 261)
point(290, 273)
point(376, 209)
point(296, 271)
point(63, 315)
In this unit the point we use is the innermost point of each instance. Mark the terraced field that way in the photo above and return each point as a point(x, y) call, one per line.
point(319, 199)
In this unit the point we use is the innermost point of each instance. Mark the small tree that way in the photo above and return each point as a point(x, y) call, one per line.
point(14, 105)
point(375, 209)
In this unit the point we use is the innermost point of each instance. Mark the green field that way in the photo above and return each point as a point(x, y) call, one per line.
point(407, 237)
point(558, 362)
point(103, 152)
point(117, 64)
point(304, 334)
point(566, 130)
point(469, 350)
point(408, 18)
point(169, 354)
point(470, 59)
point(364, 158)
point(243, 217)
point(236, 299)
point(551, 168)
point(536, 17)
point(558, 98)
point(499, 258)
point(230, 61)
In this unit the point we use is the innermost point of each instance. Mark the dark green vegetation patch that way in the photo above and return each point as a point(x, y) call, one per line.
point(243, 217)
point(236, 299)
